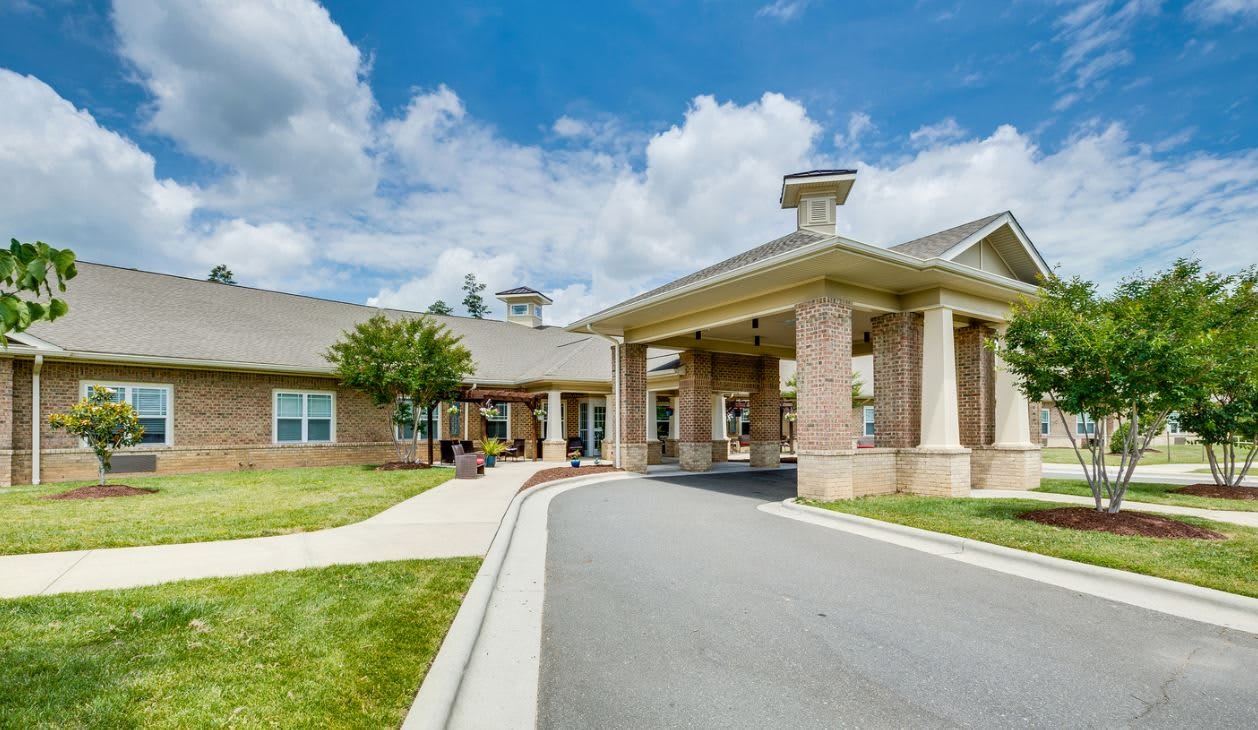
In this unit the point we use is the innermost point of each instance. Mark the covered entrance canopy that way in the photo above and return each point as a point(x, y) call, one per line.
point(947, 415)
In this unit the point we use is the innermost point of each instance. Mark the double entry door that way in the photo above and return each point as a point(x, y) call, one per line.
point(593, 424)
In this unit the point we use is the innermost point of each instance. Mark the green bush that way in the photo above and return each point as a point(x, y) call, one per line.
point(1118, 438)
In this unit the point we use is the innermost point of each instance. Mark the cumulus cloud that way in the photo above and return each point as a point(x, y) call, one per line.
point(858, 125)
point(929, 135)
point(444, 280)
point(271, 89)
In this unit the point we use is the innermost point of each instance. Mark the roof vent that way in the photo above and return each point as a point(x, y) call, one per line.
point(816, 194)
point(524, 305)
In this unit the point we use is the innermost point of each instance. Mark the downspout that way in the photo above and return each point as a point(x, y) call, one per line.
point(39, 365)
point(615, 389)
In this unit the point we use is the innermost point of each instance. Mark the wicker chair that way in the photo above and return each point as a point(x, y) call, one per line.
point(515, 450)
point(467, 466)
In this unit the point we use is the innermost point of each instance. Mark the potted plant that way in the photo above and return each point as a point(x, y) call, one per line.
point(539, 414)
point(493, 448)
point(574, 458)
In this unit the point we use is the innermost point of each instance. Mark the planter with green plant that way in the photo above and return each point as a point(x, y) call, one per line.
point(493, 448)
point(574, 458)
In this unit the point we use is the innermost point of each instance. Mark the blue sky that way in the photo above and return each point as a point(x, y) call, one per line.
point(374, 151)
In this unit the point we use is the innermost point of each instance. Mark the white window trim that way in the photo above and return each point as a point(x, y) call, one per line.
point(170, 404)
point(438, 416)
point(506, 416)
point(868, 418)
point(519, 314)
point(1046, 421)
point(1081, 425)
point(275, 415)
point(1175, 419)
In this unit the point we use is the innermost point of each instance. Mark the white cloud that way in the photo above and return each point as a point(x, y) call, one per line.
point(444, 280)
point(1223, 11)
point(858, 124)
point(271, 89)
point(566, 126)
point(1095, 35)
point(782, 10)
point(930, 135)
point(68, 181)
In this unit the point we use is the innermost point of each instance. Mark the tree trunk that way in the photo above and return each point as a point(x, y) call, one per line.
point(430, 425)
point(101, 465)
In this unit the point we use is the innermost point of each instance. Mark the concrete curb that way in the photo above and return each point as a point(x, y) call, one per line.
point(1158, 594)
point(435, 703)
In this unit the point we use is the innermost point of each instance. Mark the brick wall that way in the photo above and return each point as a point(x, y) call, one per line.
point(632, 370)
point(736, 373)
point(897, 345)
point(6, 422)
point(976, 386)
point(694, 411)
point(823, 351)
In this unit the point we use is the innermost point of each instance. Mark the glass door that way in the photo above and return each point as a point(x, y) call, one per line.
point(600, 426)
point(584, 426)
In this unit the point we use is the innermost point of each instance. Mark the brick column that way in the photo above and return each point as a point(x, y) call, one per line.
point(766, 416)
point(976, 386)
point(823, 355)
point(632, 431)
point(6, 422)
point(694, 412)
point(897, 345)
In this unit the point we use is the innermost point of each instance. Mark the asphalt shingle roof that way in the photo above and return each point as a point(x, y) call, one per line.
point(125, 311)
point(936, 244)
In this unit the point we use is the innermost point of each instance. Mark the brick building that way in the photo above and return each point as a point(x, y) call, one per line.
point(945, 416)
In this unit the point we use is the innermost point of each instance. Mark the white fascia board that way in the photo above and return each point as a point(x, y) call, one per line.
point(1005, 219)
point(34, 342)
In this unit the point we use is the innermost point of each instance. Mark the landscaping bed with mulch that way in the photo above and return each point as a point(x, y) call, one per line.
point(1216, 492)
point(1136, 524)
point(565, 472)
point(402, 465)
point(96, 491)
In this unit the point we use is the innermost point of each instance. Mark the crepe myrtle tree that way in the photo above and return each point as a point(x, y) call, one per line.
point(103, 423)
point(32, 269)
point(1224, 413)
point(409, 365)
point(1130, 357)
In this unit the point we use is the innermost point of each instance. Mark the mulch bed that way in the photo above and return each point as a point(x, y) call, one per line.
point(1135, 524)
point(96, 491)
point(1214, 490)
point(402, 465)
point(564, 472)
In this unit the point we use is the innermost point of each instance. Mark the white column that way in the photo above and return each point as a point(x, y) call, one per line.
point(940, 424)
point(674, 421)
point(554, 416)
point(1013, 426)
point(651, 434)
point(718, 417)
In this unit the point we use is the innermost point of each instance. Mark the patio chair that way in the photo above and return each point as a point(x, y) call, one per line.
point(467, 466)
point(575, 443)
point(515, 450)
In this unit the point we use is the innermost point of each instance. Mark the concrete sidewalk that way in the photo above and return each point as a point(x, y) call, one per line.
point(457, 518)
point(1146, 473)
point(1245, 519)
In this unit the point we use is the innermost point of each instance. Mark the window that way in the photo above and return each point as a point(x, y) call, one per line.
point(498, 427)
point(519, 310)
point(1045, 421)
point(406, 426)
point(151, 404)
point(869, 420)
point(455, 420)
point(304, 417)
point(663, 422)
point(1172, 423)
point(1084, 425)
point(537, 311)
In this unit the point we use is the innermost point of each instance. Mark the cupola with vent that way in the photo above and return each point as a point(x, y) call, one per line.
point(816, 194)
point(524, 305)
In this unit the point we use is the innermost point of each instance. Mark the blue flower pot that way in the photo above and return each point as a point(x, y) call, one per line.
point(576, 462)
point(490, 460)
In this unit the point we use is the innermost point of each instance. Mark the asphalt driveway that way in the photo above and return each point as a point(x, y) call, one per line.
point(676, 603)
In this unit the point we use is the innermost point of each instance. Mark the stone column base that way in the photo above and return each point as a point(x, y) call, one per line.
point(720, 450)
point(1005, 467)
point(554, 451)
point(633, 457)
point(654, 452)
point(938, 472)
point(694, 456)
point(824, 476)
point(766, 453)
point(670, 447)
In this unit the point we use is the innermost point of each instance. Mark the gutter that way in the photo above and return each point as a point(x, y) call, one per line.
point(35, 448)
point(615, 390)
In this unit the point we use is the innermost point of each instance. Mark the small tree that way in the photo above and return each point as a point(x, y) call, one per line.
point(1130, 358)
point(473, 301)
point(221, 274)
point(409, 365)
point(32, 268)
point(104, 423)
point(1224, 412)
point(440, 307)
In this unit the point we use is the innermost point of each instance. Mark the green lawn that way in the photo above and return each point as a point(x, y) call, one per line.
point(1180, 454)
point(1226, 565)
point(345, 646)
point(196, 507)
point(1154, 493)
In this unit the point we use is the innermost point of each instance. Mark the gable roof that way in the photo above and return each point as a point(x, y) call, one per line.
point(939, 243)
point(154, 317)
